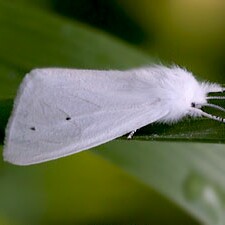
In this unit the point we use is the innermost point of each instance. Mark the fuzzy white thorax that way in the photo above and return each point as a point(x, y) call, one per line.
point(179, 91)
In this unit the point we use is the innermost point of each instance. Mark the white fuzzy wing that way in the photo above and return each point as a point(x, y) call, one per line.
point(59, 112)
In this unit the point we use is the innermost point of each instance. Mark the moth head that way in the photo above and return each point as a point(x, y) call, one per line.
point(197, 106)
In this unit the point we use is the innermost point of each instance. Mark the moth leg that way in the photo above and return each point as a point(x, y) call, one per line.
point(131, 134)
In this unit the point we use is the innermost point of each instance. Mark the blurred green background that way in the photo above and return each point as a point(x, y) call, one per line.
point(119, 182)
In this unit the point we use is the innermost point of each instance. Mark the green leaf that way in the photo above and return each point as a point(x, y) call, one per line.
point(43, 40)
point(191, 175)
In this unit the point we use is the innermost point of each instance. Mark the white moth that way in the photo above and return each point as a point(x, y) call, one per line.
point(58, 112)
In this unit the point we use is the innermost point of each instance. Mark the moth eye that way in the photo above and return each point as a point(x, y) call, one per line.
point(68, 118)
point(32, 128)
point(193, 105)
